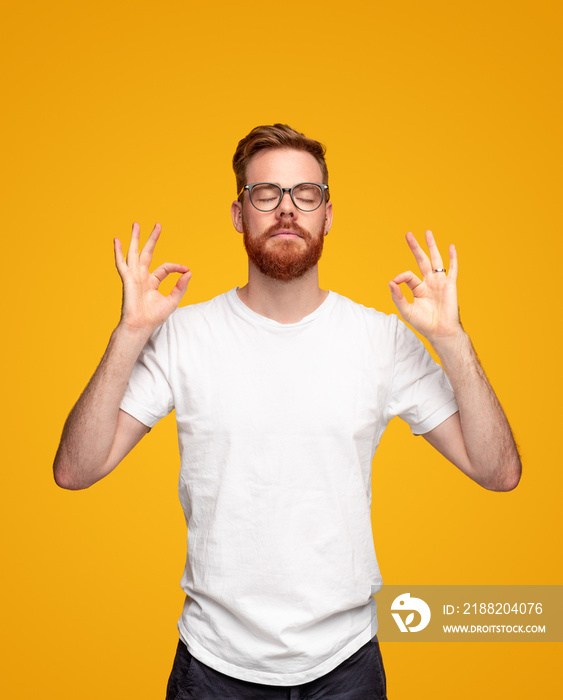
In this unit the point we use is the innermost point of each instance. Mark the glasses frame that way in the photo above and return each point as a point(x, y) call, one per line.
point(283, 190)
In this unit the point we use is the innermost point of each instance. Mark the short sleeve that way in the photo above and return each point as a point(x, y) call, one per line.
point(421, 393)
point(148, 396)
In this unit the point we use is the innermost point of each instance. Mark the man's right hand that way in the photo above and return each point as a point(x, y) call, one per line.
point(98, 434)
point(144, 308)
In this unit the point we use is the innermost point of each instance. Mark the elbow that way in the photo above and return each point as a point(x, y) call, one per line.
point(67, 477)
point(65, 480)
point(506, 478)
point(511, 482)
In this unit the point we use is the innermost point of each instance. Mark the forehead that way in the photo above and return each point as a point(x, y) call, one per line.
point(284, 166)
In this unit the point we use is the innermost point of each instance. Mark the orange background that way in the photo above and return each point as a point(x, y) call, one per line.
point(436, 115)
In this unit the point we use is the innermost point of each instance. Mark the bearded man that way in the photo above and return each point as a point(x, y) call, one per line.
point(282, 391)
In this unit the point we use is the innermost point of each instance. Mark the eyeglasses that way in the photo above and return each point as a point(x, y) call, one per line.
point(267, 196)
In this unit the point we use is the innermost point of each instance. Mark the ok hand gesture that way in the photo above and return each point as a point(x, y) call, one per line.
point(144, 307)
point(434, 311)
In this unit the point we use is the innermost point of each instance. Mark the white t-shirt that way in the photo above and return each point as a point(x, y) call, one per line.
point(278, 425)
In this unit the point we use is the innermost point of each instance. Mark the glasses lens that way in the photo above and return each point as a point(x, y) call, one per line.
point(307, 196)
point(265, 197)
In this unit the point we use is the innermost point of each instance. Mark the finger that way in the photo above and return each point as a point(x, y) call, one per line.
point(180, 289)
point(411, 280)
point(435, 257)
point(453, 263)
point(419, 254)
point(133, 252)
point(162, 272)
point(398, 298)
point(148, 249)
point(118, 254)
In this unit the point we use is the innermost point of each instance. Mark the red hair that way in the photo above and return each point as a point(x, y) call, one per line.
point(275, 136)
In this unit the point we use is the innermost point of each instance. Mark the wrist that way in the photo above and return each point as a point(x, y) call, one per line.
point(131, 336)
point(455, 345)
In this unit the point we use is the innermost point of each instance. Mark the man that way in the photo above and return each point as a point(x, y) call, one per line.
point(282, 391)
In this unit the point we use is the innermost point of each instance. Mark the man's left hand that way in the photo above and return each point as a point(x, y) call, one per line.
point(434, 311)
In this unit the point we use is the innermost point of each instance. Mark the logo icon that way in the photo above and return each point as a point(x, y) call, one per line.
point(405, 603)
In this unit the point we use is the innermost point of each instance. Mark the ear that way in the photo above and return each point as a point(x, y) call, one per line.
point(328, 218)
point(236, 215)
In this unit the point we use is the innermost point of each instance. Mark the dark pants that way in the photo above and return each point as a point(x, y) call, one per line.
point(360, 677)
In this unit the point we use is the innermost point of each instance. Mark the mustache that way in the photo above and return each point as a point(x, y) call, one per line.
point(287, 226)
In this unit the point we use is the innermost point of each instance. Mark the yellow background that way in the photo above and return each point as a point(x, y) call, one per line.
point(441, 115)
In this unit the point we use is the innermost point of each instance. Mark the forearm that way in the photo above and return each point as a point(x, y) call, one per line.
point(490, 446)
point(89, 433)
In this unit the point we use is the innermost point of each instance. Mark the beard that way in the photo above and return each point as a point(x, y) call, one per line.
point(284, 259)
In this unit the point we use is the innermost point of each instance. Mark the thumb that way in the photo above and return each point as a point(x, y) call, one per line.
point(398, 298)
point(180, 287)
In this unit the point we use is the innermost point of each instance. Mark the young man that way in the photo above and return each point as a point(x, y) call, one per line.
point(282, 391)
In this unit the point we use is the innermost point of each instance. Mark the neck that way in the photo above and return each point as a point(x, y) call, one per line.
point(284, 302)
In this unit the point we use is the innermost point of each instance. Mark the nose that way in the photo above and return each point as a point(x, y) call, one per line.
point(286, 207)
